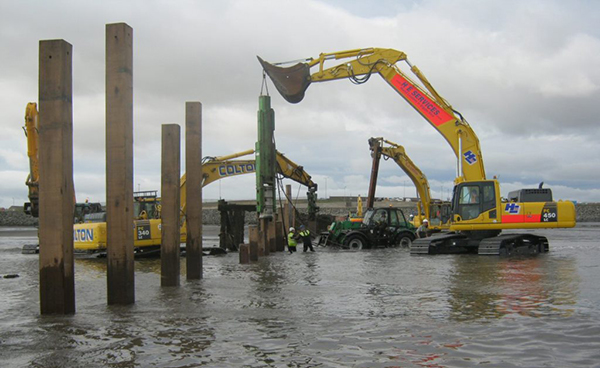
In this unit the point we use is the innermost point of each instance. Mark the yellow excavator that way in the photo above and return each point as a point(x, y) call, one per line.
point(89, 229)
point(32, 182)
point(437, 212)
point(90, 237)
point(479, 212)
point(31, 132)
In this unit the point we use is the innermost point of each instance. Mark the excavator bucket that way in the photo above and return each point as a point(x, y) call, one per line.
point(291, 82)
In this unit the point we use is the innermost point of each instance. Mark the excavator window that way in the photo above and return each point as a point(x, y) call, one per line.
point(469, 204)
point(489, 196)
point(476, 198)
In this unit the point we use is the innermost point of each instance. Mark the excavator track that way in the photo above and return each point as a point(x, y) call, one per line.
point(502, 245)
point(449, 243)
point(514, 244)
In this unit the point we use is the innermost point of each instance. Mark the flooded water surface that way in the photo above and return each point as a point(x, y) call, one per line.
point(331, 308)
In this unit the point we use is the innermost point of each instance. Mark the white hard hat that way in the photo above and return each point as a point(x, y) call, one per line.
point(292, 229)
point(425, 221)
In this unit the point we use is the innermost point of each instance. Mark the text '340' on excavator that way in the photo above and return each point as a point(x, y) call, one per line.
point(479, 213)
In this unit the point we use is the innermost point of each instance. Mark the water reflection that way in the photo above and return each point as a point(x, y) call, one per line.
point(372, 308)
point(490, 287)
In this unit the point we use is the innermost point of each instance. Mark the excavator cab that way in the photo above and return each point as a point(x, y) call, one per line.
point(146, 205)
point(472, 199)
point(291, 82)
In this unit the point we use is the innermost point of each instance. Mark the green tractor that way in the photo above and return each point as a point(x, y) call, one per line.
point(379, 228)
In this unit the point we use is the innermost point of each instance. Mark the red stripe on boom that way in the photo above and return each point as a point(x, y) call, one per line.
point(426, 106)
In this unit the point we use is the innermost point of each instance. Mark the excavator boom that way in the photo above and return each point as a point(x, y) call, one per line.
point(397, 153)
point(293, 81)
point(216, 168)
point(437, 213)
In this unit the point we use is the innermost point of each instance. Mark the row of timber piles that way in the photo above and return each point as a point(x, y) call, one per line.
point(57, 204)
point(263, 241)
point(57, 282)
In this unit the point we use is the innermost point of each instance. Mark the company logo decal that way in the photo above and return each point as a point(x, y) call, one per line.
point(512, 208)
point(83, 235)
point(234, 169)
point(470, 157)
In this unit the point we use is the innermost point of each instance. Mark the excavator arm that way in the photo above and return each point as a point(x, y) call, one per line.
point(216, 168)
point(31, 132)
point(397, 153)
point(293, 171)
point(293, 81)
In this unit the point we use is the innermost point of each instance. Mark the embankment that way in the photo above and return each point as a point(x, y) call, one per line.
point(586, 212)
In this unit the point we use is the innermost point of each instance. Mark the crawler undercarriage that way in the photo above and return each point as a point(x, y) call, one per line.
point(458, 243)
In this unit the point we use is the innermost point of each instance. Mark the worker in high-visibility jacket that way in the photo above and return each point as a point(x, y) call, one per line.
point(306, 240)
point(291, 240)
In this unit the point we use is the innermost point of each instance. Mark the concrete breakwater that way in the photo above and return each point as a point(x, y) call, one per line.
point(586, 212)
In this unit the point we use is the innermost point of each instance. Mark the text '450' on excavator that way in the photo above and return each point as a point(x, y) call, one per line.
point(479, 213)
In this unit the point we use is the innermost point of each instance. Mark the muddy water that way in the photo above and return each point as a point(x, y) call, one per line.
point(331, 308)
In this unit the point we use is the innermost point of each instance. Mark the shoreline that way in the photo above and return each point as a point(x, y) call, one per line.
point(586, 212)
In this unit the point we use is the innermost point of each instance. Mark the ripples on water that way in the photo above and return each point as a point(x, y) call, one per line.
point(374, 308)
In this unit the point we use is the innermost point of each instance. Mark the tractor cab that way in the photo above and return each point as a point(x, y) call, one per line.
point(381, 227)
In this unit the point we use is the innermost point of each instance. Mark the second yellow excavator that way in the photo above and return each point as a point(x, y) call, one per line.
point(90, 236)
point(89, 230)
point(437, 212)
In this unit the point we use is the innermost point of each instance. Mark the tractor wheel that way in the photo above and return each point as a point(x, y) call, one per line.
point(403, 241)
point(355, 242)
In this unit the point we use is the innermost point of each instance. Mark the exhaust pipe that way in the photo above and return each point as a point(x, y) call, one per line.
point(291, 82)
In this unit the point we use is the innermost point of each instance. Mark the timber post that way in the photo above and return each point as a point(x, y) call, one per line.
point(253, 240)
point(57, 281)
point(279, 235)
point(244, 253)
point(170, 197)
point(193, 188)
point(119, 163)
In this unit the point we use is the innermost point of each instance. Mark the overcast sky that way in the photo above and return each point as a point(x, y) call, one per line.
point(525, 74)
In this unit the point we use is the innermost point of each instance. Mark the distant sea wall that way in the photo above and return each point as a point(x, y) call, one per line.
point(17, 218)
point(586, 212)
